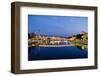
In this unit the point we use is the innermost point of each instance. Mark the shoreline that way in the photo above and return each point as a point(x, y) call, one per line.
point(53, 45)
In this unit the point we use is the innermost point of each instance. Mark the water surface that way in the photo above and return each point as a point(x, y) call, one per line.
point(49, 53)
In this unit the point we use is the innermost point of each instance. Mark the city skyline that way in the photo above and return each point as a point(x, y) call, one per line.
point(57, 25)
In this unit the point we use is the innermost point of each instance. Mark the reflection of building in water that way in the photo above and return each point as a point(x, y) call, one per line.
point(59, 42)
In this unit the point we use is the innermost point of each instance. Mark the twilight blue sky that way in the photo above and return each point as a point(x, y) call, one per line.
point(57, 25)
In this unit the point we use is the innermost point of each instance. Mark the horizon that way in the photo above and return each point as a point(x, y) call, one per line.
point(57, 25)
point(56, 35)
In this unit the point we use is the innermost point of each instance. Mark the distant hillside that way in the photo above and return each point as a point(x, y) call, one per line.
point(80, 39)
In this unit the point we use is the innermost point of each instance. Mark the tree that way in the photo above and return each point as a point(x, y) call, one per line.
point(30, 35)
point(79, 36)
point(48, 40)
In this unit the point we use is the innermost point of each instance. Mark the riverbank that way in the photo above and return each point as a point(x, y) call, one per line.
point(53, 45)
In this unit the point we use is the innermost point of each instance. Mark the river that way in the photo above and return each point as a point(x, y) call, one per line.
point(50, 53)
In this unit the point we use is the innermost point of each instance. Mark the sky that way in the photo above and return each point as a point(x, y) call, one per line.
point(57, 25)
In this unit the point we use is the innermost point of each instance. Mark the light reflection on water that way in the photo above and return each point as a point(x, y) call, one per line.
point(48, 53)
